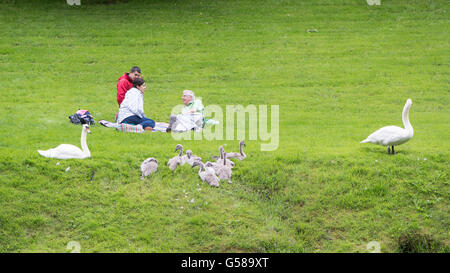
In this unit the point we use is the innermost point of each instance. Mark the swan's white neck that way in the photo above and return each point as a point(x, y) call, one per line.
point(405, 118)
point(181, 152)
point(84, 146)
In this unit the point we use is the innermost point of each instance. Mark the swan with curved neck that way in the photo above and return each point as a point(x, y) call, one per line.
point(189, 158)
point(224, 171)
point(207, 174)
point(391, 136)
point(239, 155)
point(221, 160)
point(69, 151)
point(176, 160)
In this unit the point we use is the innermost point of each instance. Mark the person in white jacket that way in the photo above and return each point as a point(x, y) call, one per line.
point(131, 110)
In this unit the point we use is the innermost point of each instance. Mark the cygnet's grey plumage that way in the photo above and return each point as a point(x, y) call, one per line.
point(224, 171)
point(176, 160)
point(213, 165)
point(190, 158)
point(239, 155)
point(149, 166)
point(207, 174)
point(184, 158)
point(221, 159)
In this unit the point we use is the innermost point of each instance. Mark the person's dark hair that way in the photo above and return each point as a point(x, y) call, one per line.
point(134, 69)
point(138, 82)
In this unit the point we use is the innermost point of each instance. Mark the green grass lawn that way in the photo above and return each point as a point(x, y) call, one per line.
point(320, 191)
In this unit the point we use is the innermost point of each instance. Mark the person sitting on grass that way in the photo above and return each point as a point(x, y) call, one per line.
point(125, 83)
point(191, 117)
point(131, 110)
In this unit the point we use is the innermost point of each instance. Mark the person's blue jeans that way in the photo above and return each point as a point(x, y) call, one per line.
point(144, 122)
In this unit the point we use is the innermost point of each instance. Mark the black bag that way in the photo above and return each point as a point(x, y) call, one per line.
point(82, 117)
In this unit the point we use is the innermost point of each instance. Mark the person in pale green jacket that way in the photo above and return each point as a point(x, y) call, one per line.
point(191, 117)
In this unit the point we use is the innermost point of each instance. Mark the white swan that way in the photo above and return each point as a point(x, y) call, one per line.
point(391, 136)
point(68, 151)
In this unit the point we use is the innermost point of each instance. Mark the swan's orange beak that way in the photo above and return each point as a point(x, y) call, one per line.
point(88, 130)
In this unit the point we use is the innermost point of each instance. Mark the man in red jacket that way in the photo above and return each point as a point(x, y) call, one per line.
point(125, 83)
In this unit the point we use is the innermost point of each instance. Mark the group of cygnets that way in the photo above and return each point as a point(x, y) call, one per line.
point(209, 172)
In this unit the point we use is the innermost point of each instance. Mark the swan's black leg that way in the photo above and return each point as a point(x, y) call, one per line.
point(389, 149)
point(393, 152)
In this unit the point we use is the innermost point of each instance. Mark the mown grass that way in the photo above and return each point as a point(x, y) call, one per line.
point(320, 191)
